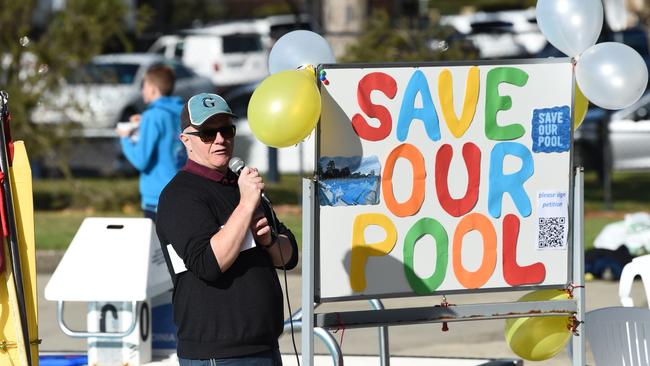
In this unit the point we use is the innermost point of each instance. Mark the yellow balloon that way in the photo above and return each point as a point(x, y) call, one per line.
point(580, 105)
point(538, 338)
point(285, 108)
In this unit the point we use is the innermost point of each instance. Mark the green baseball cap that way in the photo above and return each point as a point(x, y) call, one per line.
point(201, 107)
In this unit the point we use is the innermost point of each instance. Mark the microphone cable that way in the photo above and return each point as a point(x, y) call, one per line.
point(236, 165)
point(274, 228)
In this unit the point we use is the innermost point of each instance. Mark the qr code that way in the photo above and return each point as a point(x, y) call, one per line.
point(551, 232)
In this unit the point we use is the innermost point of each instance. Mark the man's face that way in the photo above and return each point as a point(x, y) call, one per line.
point(213, 153)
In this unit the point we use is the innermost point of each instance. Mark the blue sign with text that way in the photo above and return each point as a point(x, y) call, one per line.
point(551, 129)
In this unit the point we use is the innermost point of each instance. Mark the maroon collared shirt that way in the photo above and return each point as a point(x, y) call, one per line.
point(195, 168)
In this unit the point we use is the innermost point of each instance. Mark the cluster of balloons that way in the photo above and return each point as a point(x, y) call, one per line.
point(539, 338)
point(611, 75)
point(285, 107)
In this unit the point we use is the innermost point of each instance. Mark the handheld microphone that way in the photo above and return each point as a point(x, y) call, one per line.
point(236, 165)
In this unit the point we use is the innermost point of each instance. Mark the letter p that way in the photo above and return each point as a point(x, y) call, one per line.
point(362, 250)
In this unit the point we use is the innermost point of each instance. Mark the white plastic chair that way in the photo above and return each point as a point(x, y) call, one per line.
point(619, 336)
point(640, 266)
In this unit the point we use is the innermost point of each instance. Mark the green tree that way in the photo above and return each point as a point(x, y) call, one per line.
point(384, 40)
point(33, 66)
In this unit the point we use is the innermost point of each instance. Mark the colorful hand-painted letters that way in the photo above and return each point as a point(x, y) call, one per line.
point(498, 166)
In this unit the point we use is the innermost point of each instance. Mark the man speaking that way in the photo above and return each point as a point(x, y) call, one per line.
point(220, 248)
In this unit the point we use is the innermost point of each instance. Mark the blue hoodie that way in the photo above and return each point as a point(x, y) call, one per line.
point(158, 152)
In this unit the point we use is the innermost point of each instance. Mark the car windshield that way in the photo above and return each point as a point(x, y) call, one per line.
point(105, 73)
point(242, 42)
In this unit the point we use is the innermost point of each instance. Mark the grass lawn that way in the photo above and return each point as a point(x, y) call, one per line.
point(292, 218)
point(593, 226)
point(55, 229)
point(630, 192)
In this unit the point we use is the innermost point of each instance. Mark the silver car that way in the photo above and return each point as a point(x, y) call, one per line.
point(629, 133)
point(108, 90)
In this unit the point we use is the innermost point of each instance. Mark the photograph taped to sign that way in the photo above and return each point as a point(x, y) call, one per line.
point(428, 177)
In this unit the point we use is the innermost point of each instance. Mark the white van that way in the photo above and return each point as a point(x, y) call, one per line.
point(232, 53)
point(229, 54)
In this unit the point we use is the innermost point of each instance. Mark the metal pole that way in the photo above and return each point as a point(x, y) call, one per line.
point(607, 163)
point(301, 168)
point(578, 341)
point(273, 175)
point(307, 334)
point(384, 352)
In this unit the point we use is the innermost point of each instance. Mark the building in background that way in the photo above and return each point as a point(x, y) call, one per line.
point(342, 21)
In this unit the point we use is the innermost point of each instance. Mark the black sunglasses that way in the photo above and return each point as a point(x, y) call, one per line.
point(209, 135)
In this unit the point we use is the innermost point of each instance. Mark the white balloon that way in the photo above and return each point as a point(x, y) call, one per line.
point(612, 75)
point(571, 26)
point(299, 48)
point(616, 14)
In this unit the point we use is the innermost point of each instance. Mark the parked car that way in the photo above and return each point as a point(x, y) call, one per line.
point(502, 34)
point(230, 54)
point(108, 90)
point(294, 159)
point(629, 133)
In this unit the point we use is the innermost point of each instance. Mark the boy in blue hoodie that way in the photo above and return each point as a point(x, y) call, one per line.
point(156, 152)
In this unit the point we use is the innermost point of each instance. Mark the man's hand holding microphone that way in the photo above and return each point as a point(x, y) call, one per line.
point(251, 190)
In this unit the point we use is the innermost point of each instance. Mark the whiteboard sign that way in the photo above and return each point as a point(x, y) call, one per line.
point(445, 178)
